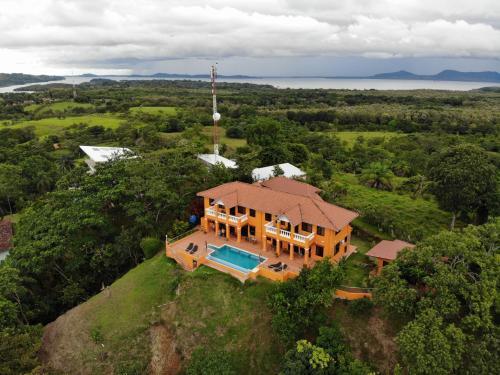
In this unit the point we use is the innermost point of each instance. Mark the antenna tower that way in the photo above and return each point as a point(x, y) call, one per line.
point(215, 114)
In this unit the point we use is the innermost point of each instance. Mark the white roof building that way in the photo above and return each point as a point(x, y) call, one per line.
point(212, 159)
point(99, 154)
point(265, 173)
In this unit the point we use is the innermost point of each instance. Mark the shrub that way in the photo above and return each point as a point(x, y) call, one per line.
point(150, 246)
point(204, 362)
point(96, 335)
point(360, 306)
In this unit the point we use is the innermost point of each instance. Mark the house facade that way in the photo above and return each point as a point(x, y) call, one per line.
point(283, 216)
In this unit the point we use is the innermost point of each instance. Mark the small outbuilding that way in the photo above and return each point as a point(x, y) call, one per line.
point(386, 251)
point(212, 159)
point(289, 170)
point(98, 154)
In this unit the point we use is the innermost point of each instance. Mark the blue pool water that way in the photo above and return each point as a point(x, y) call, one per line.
point(235, 258)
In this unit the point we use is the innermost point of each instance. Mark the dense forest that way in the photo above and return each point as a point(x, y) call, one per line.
point(422, 166)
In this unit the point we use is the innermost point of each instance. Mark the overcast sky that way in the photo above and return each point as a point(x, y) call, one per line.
point(258, 37)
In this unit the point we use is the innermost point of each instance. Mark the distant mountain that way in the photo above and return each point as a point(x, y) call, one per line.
point(169, 75)
point(11, 79)
point(445, 75)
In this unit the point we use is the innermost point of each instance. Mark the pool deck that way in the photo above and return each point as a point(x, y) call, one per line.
point(190, 262)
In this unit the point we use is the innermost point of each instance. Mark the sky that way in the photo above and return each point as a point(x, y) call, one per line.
point(258, 37)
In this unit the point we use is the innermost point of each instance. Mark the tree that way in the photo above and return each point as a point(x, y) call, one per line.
point(306, 358)
point(277, 171)
point(427, 346)
point(446, 289)
point(465, 180)
point(377, 175)
point(11, 184)
point(298, 304)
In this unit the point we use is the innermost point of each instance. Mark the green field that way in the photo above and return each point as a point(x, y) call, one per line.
point(56, 107)
point(154, 110)
point(350, 136)
point(54, 126)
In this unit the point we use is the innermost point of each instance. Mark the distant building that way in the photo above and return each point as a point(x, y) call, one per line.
point(386, 251)
point(99, 154)
point(213, 159)
point(265, 173)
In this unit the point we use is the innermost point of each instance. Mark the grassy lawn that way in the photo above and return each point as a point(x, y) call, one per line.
point(154, 110)
point(358, 264)
point(56, 107)
point(230, 142)
point(398, 215)
point(54, 125)
point(350, 136)
point(116, 331)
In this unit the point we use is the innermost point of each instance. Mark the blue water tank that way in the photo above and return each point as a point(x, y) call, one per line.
point(193, 219)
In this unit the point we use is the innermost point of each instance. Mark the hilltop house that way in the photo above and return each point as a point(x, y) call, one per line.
point(280, 222)
point(98, 154)
point(289, 170)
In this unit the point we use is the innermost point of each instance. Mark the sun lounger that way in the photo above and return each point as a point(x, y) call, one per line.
point(282, 268)
point(190, 247)
point(195, 249)
point(275, 265)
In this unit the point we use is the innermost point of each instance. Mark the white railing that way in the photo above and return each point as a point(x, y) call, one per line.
point(210, 211)
point(223, 216)
point(270, 228)
point(287, 234)
point(284, 233)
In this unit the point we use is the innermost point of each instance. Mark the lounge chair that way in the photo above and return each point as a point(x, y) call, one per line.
point(195, 249)
point(190, 247)
point(275, 265)
point(282, 268)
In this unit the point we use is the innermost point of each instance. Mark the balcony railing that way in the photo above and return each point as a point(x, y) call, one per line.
point(223, 217)
point(287, 234)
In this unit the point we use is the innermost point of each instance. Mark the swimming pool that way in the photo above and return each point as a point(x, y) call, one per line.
point(236, 258)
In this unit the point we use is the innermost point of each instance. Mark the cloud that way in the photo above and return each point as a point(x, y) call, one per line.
point(91, 33)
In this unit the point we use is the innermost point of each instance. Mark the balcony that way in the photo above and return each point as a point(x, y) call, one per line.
point(297, 237)
point(230, 219)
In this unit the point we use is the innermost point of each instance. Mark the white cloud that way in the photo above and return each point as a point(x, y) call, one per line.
point(50, 35)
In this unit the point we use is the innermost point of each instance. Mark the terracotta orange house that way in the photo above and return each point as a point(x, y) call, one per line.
point(278, 220)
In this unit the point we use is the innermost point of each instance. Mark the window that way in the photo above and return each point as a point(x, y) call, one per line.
point(252, 230)
point(232, 211)
point(320, 231)
point(252, 212)
point(337, 249)
point(268, 217)
point(319, 251)
point(306, 227)
point(211, 201)
point(221, 207)
point(242, 210)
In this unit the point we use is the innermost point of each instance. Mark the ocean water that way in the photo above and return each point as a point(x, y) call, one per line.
point(311, 83)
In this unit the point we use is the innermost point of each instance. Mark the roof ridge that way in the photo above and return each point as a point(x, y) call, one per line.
point(323, 212)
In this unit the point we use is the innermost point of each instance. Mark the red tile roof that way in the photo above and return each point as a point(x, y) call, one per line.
point(287, 185)
point(299, 206)
point(388, 249)
point(5, 235)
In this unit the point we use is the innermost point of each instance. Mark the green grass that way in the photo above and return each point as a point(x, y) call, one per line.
point(206, 308)
point(397, 215)
point(230, 142)
point(54, 125)
point(154, 110)
point(357, 266)
point(350, 136)
point(56, 107)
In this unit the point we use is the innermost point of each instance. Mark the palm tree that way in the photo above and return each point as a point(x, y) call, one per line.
point(377, 175)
